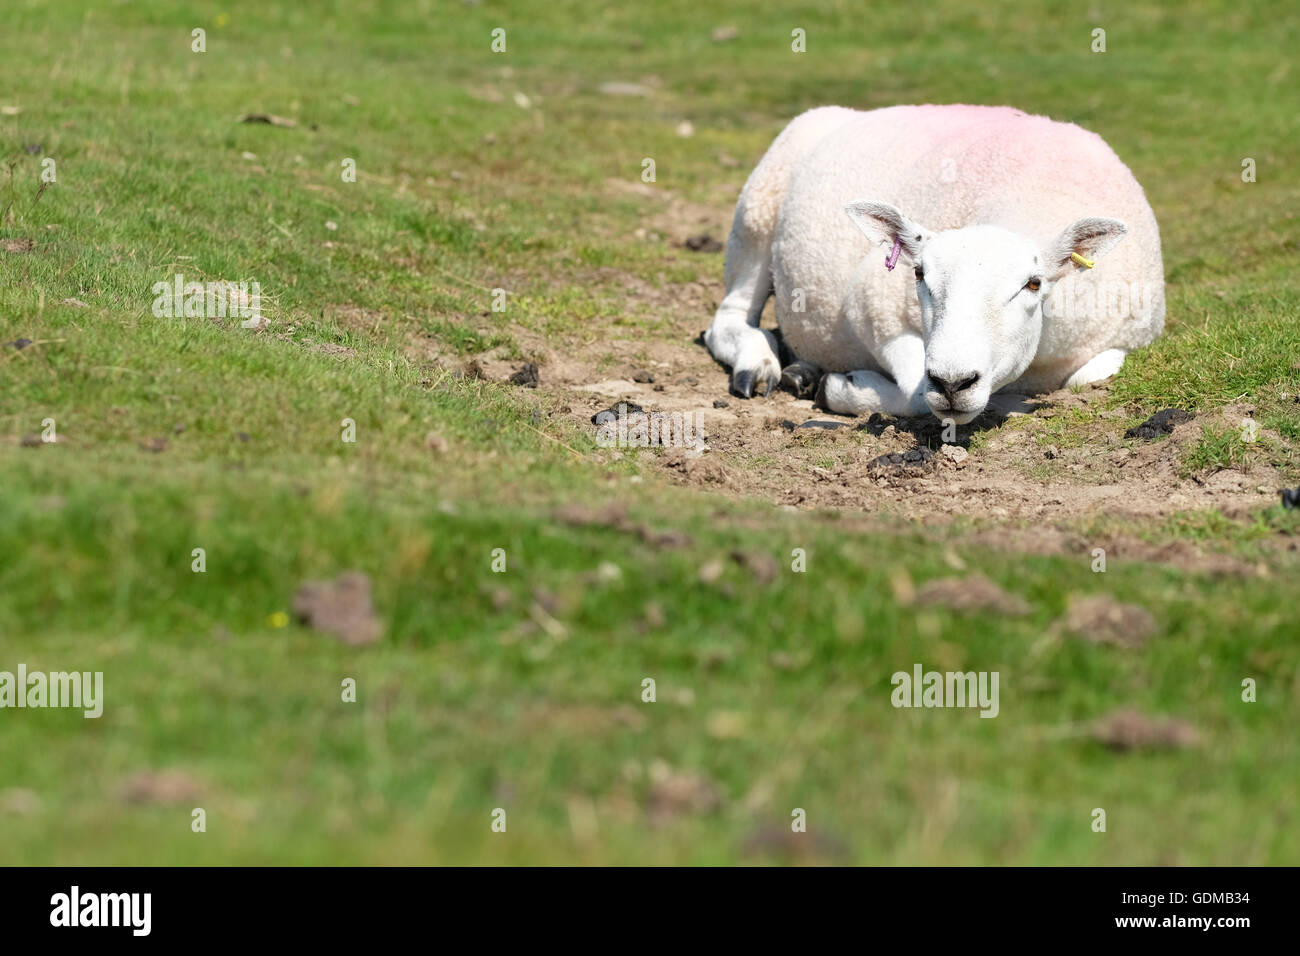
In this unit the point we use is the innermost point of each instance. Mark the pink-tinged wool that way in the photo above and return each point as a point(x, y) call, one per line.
point(945, 167)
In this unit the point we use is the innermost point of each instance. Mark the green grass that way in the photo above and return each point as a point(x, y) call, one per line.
point(521, 690)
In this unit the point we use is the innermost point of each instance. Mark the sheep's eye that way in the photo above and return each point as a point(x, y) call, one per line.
point(1033, 285)
point(920, 274)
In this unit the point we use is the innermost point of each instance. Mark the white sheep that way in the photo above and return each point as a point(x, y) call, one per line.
point(992, 281)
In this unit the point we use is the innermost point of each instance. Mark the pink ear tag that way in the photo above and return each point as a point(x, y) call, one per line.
point(892, 259)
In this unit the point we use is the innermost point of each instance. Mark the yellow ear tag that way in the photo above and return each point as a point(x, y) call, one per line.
point(1086, 263)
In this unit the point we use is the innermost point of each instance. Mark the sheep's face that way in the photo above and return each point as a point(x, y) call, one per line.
point(981, 290)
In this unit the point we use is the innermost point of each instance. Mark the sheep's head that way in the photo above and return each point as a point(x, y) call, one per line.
point(981, 290)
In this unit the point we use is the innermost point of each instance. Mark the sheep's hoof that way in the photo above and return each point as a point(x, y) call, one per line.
point(802, 378)
point(819, 400)
point(747, 384)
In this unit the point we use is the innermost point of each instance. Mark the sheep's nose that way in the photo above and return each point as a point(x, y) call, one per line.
point(954, 384)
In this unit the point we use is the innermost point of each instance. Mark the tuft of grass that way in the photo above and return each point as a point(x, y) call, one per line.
point(1219, 448)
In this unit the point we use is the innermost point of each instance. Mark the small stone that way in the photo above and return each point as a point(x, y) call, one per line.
point(954, 453)
point(703, 243)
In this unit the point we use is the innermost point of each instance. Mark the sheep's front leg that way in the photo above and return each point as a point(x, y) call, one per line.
point(734, 338)
point(864, 392)
point(1101, 366)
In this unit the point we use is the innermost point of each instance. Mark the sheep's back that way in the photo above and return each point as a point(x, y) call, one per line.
point(947, 167)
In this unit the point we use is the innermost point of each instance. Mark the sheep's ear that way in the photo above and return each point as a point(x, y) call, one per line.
point(1089, 238)
point(883, 223)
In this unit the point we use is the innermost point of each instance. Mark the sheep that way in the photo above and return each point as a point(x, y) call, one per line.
point(993, 280)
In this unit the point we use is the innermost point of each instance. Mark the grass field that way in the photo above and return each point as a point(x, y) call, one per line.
point(522, 690)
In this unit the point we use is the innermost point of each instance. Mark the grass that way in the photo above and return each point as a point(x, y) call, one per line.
point(522, 690)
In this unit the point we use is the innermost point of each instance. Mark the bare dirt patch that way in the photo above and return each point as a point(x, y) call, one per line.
point(160, 788)
point(1005, 465)
point(1023, 460)
point(1026, 461)
point(1131, 730)
point(341, 607)
point(1102, 620)
point(973, 593)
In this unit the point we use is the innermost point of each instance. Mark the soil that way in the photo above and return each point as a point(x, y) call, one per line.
point(1025, 462)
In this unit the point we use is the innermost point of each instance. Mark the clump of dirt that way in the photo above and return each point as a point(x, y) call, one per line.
point(914, 461)
point(696, 468)
point(761, 565)
point(972, 593)
point(702, 243)
point(17, 245)
point(674, 793)
point(1103, 620)
point(160, 788)
point(1126, 730)
point(620, 410)
point(526, 377)
point(1161, 423)
point(341, 607)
